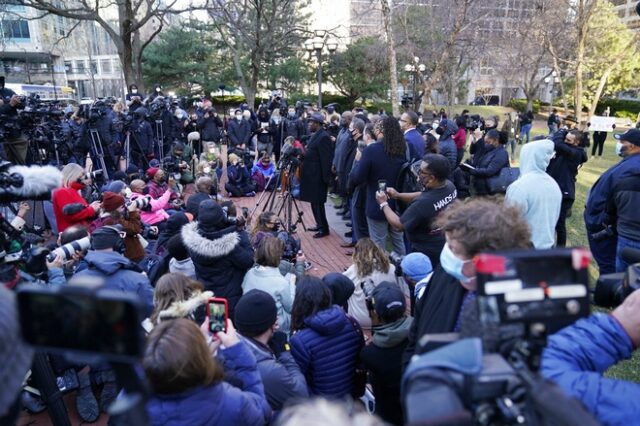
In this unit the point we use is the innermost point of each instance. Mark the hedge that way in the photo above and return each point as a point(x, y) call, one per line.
point(520, 105)
point(619, 107)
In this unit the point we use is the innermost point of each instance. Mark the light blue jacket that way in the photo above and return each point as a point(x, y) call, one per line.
point(536, 193)
point(270, 280)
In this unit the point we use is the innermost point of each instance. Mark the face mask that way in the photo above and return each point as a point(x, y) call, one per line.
point(77, 185)
point(276, 120)
point(276, 227)
point(127, 192)
point(158, 89)
point(440, 131)
point(212, 150)
point(420, 120)
point(207, 170)
point(292, 114)
point(619, 149)
point(434, 126)
point(238, 117)
point(134, 91)
point(452, 265)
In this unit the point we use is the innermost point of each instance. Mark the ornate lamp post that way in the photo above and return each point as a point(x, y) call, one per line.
point(317, 45)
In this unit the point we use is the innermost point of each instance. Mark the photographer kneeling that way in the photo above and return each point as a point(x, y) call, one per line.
point(576, 357)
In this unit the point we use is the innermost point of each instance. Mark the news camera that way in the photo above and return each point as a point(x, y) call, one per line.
point(612, 289)
point(86, 323)
point(474, 121)
point(490, 376)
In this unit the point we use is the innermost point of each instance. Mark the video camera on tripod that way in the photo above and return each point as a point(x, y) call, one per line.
point(522, 296)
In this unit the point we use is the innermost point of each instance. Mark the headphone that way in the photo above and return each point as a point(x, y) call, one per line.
point(119, 246)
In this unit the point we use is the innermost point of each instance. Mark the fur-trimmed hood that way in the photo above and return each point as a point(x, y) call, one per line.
point(185, 308)
point(222, 243)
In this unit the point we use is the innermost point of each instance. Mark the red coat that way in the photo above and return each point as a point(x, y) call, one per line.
point(64, 196)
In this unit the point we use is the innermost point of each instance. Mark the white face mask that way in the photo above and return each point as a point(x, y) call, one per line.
point(134, 91)
point(212, 150)
point(619, 149)
point(238, 117)
point(127, 192)
point(207, 170)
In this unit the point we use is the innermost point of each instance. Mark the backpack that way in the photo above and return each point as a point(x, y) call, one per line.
point(259, 180)
point(407, 180)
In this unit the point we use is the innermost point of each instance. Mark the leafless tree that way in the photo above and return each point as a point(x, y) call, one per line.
point(123, 20)
point(256, 32)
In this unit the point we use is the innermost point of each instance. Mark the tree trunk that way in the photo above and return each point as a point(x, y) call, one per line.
point(393, 63)
point(584, 11)
point(602, 83)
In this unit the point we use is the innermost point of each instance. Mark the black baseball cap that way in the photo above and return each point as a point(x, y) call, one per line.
point(388, 300)
point(631, 136)
point(317, 117)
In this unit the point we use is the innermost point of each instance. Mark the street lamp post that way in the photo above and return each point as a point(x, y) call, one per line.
point(317, 44)
point(553, 80)
point(413, 69)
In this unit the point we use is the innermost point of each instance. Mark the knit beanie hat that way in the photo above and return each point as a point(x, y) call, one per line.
point(255, 312)
point(176, 248)
point(112, 201)
point(416, 266)
point(341, 287)
point(15, 354)
point(193, 203)
point(105, 237)
point(151, 172)
point(211, 217)
point(117, 185)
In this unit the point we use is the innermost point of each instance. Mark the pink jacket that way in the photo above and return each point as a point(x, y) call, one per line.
point(157, 213)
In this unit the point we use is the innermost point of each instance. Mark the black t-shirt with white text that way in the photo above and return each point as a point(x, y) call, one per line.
point(419, 216)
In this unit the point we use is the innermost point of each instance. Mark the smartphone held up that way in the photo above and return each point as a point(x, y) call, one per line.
point(218, 311)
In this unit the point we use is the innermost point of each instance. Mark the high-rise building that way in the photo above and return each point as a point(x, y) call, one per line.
point(626, 9)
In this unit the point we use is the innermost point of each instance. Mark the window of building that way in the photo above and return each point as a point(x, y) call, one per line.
point(94, 67)
point(68, 66)
point(80, 66)
point(105, 66)
point(15, 29)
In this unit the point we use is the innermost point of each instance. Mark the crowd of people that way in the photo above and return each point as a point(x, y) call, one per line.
point(424, 194)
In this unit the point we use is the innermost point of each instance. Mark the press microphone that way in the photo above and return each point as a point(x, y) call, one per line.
point(21, 183)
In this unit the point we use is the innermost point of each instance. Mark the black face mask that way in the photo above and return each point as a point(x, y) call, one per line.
point(276, 227)
point(440, 131)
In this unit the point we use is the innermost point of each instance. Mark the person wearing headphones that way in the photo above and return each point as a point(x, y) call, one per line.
point(105, 262)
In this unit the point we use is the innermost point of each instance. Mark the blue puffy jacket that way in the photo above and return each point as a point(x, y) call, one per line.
point(575, 359)
point(118, 273)
point(219, 404)
point(327, 352)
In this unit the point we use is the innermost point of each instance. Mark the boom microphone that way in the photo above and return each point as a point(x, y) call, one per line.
point(19, 183)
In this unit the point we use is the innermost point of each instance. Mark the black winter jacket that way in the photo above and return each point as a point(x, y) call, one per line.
point(280, 375)
point(564, 167)
point(221, 260)
point(210, 128)
point(489, 164)
point(623, 205)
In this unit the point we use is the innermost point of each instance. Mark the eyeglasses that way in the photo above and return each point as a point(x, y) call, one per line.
point(425, 173)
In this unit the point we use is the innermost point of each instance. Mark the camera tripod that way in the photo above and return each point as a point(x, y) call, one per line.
point(98, 150)
point(288, 202)
point(160, 140)
point(127, 149)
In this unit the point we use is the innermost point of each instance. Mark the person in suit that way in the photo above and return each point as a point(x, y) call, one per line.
point(316, 173)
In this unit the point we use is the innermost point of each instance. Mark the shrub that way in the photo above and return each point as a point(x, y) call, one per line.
point(520, 105)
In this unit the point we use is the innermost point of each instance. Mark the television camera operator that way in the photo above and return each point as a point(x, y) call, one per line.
point(15, 144)
point(209, 126)
point(98, 136)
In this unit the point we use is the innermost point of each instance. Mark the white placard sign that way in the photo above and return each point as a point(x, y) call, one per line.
point(602, 124)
